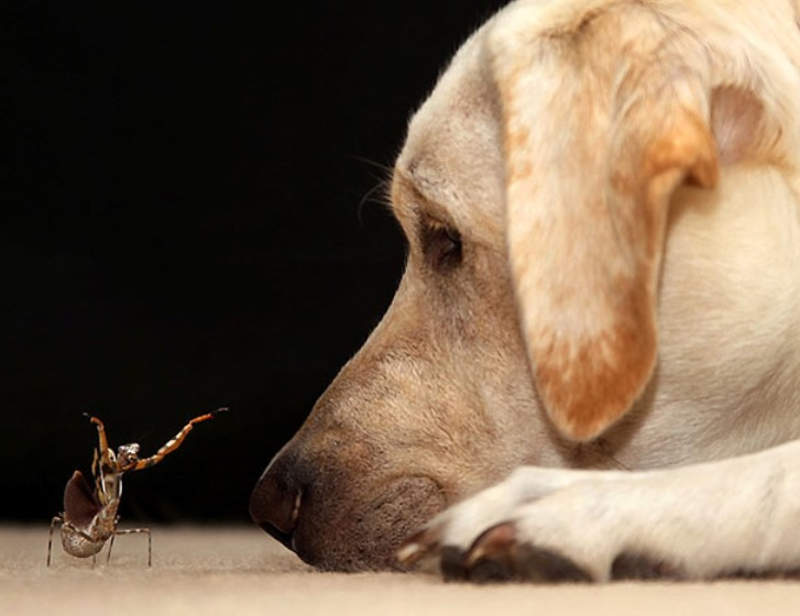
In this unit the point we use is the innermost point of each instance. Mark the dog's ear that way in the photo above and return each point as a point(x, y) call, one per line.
point(600, 127)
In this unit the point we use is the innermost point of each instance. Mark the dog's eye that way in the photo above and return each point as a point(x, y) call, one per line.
point(441, 245)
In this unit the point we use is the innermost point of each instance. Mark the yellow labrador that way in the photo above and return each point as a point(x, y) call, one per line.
point(602, 206)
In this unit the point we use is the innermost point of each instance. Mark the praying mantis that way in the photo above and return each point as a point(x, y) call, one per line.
point(90, 515)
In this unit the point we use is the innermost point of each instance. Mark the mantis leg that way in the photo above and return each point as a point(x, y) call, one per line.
point(130, 531)
point(175, 442)
point(110, 547)
point(101, 435)
point(56, 520)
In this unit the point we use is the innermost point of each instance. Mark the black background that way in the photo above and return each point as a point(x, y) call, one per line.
point(188, 223)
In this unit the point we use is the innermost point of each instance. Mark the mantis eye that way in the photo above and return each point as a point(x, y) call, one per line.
point(128, 454)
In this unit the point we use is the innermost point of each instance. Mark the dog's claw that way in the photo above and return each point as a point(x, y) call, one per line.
point(410, 553)
point(417, 546)
point(494, 544)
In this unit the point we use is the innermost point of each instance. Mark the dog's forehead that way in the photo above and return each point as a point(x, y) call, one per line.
point(452, 154)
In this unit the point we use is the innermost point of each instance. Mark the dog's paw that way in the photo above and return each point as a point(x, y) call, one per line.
point(569, 528)
point(505, 533)
point(521, 528)
point(730, 517)
point(502, 553)
point(499, 554)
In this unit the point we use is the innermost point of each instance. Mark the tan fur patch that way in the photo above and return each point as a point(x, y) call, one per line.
point(585, 388)
point(690, 147)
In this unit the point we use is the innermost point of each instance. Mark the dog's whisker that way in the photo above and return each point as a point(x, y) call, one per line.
point(368, 197)
point(385, 168)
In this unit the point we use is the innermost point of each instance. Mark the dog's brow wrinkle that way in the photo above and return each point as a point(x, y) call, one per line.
point(411, 202)
point(399, 202)
point(421, 202)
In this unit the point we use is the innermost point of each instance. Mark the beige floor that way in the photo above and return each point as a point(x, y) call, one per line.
point(240, 571)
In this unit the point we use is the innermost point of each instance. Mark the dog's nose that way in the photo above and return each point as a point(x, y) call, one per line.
point(275, 504)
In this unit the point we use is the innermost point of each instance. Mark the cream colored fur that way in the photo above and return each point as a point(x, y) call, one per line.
point(623, 181)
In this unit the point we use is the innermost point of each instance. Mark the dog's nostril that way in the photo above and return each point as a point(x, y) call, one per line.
point(275, 507)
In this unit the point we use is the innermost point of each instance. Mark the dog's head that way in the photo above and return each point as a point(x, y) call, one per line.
point(533, 190)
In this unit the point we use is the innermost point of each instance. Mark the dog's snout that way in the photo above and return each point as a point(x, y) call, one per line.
point(275, 504)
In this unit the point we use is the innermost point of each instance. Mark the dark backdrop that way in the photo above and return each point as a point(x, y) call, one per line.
point(187, 224)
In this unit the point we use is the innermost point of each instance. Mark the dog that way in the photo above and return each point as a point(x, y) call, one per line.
point(602, 291)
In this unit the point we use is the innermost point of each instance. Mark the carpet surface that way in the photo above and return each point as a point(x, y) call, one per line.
point(241, 571)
